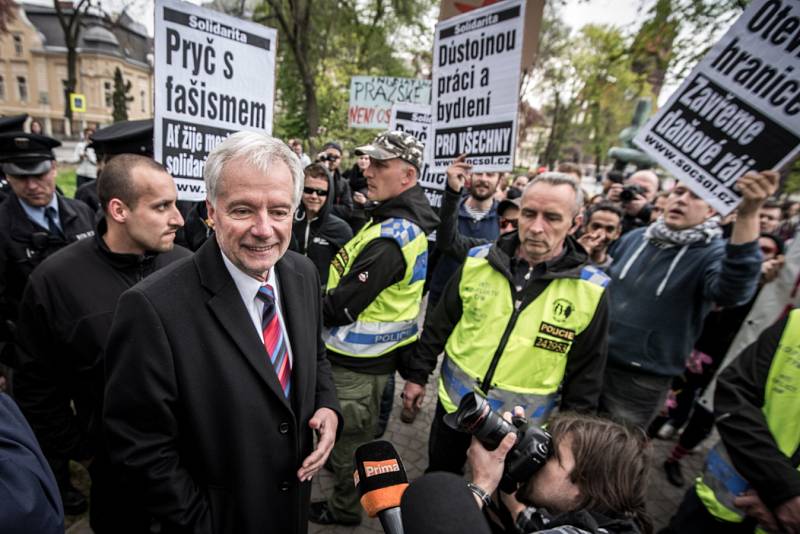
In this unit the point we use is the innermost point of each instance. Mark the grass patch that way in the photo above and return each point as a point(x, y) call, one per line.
point(65, 179)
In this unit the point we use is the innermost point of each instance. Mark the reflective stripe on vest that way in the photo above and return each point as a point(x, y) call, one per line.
point(456, 383)
point(534, 355)
point(720, 483)
point(390, 320)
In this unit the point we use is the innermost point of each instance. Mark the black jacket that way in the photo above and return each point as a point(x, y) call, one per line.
point(342, 197)
point(321, 238)
point(586, 361)
point(24, 245)
point(194, 414)
point(29, 494)
point(384, 265)
point(65, 316)
point(87, 193)
point(743, 428)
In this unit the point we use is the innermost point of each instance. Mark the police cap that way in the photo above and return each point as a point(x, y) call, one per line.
point(24, 154)
point(13, 123)
point(127, 137)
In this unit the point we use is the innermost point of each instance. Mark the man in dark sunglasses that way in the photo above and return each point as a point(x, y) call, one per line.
point(316, 231)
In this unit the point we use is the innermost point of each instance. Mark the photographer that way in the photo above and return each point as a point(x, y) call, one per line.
point(342, 198)
point(636, 195)
point(593, 481)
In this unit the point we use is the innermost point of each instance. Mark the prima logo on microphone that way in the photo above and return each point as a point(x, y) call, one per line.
point(379, 468)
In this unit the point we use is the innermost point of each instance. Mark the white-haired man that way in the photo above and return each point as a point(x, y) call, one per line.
point(216, 370)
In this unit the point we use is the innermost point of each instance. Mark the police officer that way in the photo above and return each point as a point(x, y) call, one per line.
point(13, 123)
point(126, 137)
point(371, 307)
point(751, 480)
point(63, 327)
point(35, 222)
point(524, 321)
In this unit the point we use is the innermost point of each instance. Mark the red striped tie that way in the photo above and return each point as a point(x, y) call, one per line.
point(274, 341)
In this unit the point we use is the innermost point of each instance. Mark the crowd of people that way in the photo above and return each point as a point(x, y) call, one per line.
point(206, 360)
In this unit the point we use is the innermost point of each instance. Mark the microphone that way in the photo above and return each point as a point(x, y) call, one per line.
point(441, 503)
point(380, 480)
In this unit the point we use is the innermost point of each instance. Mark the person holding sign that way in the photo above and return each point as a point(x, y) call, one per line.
point(372, 303)
point(665, 279)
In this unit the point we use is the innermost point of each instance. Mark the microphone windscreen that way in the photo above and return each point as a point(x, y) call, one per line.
point(441, 503)
point(379, 476)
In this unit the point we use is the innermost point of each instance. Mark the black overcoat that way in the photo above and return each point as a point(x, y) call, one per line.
point(194, 414)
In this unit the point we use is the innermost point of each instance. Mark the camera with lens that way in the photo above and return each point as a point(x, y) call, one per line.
point(629, 192)
point(530, 452)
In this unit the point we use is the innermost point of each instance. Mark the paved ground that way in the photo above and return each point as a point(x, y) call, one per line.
point(411, 443)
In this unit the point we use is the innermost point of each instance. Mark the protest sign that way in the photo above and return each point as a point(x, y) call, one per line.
point(416, 120)
point(371, 99)
point(534, 9)
point(476, 72)
point(737, 110)
point(214, 75)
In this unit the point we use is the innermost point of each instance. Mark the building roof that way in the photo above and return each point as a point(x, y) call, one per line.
point(126, 39)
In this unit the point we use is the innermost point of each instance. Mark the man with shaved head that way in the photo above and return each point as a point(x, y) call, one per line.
point(636, 197)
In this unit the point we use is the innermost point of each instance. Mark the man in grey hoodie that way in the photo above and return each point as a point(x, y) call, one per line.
point(664, 280)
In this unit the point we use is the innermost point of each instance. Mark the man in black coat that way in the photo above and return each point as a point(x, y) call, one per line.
point(216, 371)
point(64, 322)
point(35, 221)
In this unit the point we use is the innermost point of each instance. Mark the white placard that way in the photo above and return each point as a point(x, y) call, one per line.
point(416, 120)
point(372, 97)
point(214, 75)
point(476, 76)
point(738, 110)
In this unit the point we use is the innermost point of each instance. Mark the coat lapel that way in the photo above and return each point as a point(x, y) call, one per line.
point(227, 306)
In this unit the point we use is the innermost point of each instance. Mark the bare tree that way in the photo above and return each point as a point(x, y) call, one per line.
point(70, 19)
point(7, 15)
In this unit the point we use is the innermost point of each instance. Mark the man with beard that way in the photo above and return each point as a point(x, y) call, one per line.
point(63, 324)
point(524, 319)
point(316, 232)
point(477, 218)
point(665, 279)
point(602, 227)
point(372, 303)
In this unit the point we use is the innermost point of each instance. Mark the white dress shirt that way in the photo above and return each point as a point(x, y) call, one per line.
point(248, 289)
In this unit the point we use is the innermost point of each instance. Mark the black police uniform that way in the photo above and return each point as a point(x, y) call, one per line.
point(24, 244)
point(64, 328)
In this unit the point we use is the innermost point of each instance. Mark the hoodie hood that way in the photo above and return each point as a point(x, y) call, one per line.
point(568, 265)
point(300, 213)
point(411, 205)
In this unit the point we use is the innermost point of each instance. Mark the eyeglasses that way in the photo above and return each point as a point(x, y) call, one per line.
point(312, 190)
point(505, 222)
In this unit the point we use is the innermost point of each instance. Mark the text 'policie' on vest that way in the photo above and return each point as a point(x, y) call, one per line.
point(390, 321)
point(530, 353)
point(720, 483)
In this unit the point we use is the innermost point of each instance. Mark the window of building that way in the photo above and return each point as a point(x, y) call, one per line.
point(2, 88)
point(142, 98)
point(44, 98)
point(108, 92)
point(17, 45)
point(22, 88)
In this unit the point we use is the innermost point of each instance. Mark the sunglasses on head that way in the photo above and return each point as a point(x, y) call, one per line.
point(312, 190)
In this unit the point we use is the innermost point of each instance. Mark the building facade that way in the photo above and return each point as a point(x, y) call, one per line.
point(33, 69)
